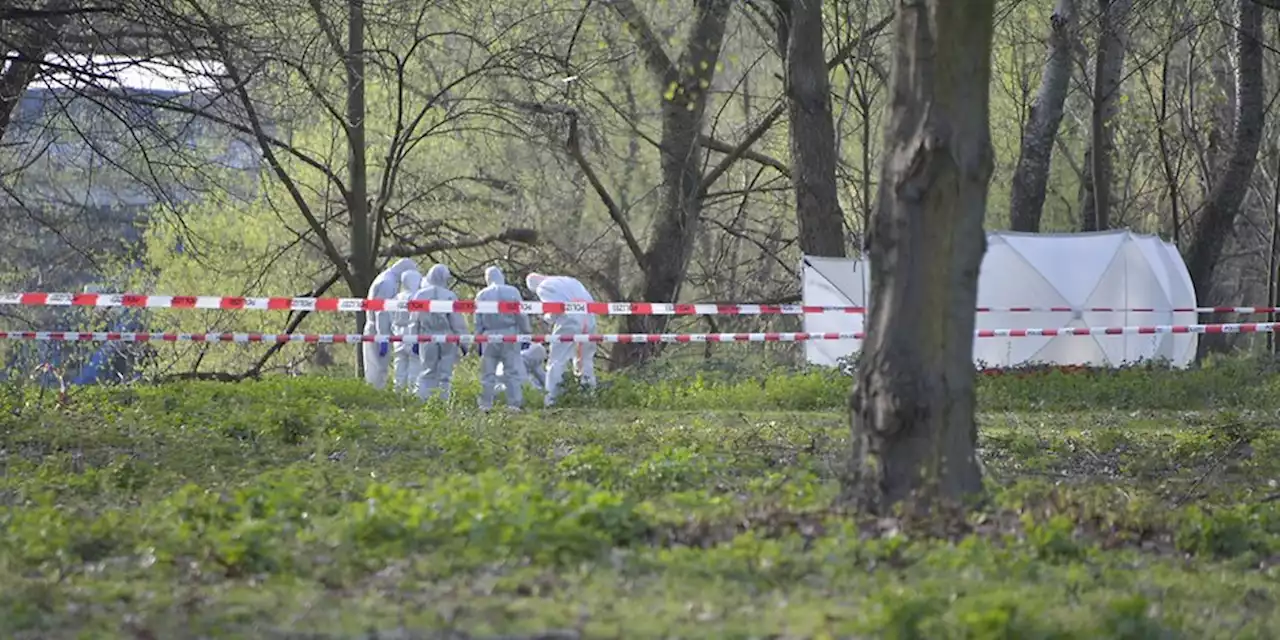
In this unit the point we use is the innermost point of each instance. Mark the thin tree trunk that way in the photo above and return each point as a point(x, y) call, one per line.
point(1273, 259)
point(1107, 79)
point(868, 203)
point(813, 136)
point(362, 241)
point(1031, 176)
point(1218, 217)
point(912, 411)
point(1166, 161)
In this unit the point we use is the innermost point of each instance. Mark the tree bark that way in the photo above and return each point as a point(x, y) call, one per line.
point(362, 241)
point(1273, 256)
point(1222, 72)
point(1218, 216)
point(1031, 177)
point(912, 411)
point(812, 132)
point(1107, 79)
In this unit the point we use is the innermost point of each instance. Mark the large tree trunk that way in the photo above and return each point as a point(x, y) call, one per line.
point(1108, 76)
point(913, 421)
point(1217, 219)
point(1031, 177)
point(685, 84)
point(813, 136)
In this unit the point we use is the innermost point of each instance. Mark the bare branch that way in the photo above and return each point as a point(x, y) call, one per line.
point(574, 147)
point(409, 249)
point(255, 123)
point(294, 322)
point(259, 134)
point(330, 33)
point(655, 54)
point(779, 109)
point(851, 46)
point(724, 147)
point(615, 212)
point(63, 11)
point(740, 151)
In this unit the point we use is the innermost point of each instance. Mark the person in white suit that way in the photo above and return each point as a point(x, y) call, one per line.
point(438, 358)
point(408, 355)
point(565, 289)
point(500, 354)
point(377, 355)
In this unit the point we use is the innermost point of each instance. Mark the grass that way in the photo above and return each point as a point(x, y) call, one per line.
point(1131, 504)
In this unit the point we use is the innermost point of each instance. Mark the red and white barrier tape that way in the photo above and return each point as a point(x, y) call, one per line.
point(623, 338)
point(351, 305)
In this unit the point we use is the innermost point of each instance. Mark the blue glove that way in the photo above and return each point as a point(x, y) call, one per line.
point(416, 351)
point(382, 349)
point(464, 349)
point(525, 345)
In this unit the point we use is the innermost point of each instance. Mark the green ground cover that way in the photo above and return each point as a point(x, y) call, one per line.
point(1131, 504)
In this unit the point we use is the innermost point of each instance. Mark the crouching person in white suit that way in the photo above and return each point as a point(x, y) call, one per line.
point(377, 355)
point(500, 354)
point(437, 358)
point(408, 354)
point(566, 289)
point(535, 360)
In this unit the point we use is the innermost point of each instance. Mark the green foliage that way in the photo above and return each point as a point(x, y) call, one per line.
point(227, 246)
point(317, 505)
point(738, 383)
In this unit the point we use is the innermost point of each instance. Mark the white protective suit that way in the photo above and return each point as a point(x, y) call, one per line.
point(377, 356)
point(535, 360)
point(566, 289)
point(407, 354)
point(437, 358)
point(501, 354)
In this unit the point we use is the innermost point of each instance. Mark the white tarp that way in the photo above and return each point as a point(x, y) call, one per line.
point(1110, 269)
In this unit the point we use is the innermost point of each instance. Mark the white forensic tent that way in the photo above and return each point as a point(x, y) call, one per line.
point(1108, 269)
point(833, 282)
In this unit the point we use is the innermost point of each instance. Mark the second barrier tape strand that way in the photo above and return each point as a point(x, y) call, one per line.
point(619, 338)
point(355, 305)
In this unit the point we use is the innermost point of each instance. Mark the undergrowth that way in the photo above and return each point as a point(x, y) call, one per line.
point(1137, 503)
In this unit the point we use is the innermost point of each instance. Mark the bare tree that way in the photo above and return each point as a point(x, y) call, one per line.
point(866, 78)
point(812, 131)
point(912, 410)
point(1108, 77)
point(1217, 218)
point(1163, 95)
point(751, 204)
point(1031, 177)
point(684, 82)
point(374, 214)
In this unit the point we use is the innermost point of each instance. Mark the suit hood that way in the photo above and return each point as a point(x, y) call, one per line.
point(438, 275)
